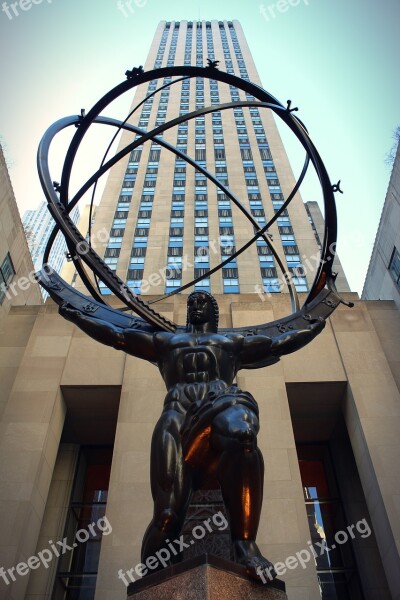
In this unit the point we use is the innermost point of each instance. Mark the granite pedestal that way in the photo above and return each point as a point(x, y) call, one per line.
point(205, 577)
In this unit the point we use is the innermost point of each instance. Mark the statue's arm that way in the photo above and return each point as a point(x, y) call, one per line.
point(255, 348)
point(133, 341)
point(294, 340)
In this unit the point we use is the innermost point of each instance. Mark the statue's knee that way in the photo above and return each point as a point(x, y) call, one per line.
point(242, 436)
point(245, 437)
point(166, 519)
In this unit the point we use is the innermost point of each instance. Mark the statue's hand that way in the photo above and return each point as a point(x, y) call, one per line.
point(67, 311)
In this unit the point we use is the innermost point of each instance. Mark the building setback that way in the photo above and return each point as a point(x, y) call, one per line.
point(382, 281)
point(78, 416)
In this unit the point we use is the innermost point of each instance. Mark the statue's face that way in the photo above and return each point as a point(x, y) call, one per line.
point(200, 309)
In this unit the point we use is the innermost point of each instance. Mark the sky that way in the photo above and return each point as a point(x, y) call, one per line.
point(337, 61)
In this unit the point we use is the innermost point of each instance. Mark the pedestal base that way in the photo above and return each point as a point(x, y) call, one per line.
point(204, 578)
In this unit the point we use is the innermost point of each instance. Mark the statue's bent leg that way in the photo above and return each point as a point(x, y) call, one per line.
point(240, 473)
point(170, 485)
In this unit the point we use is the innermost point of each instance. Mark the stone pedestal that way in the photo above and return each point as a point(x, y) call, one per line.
point(205, 577)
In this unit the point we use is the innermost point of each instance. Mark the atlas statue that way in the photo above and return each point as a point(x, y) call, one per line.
point(208, 427)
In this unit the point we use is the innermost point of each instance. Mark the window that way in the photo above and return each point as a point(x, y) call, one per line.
point(112, 252)
point(226, 231)
point(112, 263)
point(291, 249)
point(300, 284)
point(200, 154)
point(135, 155)
point(141, 242)
point(175, 231)
point(394, 266)
point(135, 274)
point(229, 273)
point(176, 241)
point(175, 251)
point(154, 155)
point(246, 154)
point(172, 283)
point(271, 285)
point(336, 571)
point(269, 272)
point(266, 261)
point(145, 207)
point(77, 570)
point(7, 272)
point(228, 251)
point(201, 231)
point(136, 261)
point(265, 154)
point(285, 229)
point(117, 233)
point(199, 272)
point(204, 284)
point(142, 232)
point(231, 286)
point(181, 182)
point(200, 240)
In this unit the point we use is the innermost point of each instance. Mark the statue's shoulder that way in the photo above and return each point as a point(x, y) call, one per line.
point(233, 336)
point(162, 338)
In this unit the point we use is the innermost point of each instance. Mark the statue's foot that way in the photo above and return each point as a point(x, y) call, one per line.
point(257, 567)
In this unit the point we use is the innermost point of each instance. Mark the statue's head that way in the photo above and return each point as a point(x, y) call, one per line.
point(202, 308)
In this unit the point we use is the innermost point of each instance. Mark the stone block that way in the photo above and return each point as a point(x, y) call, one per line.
point(204, 578)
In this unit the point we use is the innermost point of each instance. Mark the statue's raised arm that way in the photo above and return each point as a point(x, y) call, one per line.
point(133, 341)
point(294, 340)
point(258, 347)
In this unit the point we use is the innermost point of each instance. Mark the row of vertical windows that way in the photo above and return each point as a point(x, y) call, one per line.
point(175, 243)
point(188, 46)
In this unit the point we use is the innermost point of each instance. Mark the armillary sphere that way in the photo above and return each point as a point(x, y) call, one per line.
point(322, 298)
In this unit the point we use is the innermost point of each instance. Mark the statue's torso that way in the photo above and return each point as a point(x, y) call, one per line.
point(203, 358)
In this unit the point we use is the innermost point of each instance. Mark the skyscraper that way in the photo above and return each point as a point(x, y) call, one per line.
point(38, 225)
point(169, 224)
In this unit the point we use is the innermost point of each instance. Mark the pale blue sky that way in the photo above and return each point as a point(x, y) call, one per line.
point(337, 61)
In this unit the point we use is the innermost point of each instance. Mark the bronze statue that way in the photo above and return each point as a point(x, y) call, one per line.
point(208, 427)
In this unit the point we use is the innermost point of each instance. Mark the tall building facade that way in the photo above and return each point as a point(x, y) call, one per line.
point(17, 284)
point(78, 416)
point(38, 225)
point(382, 281)
point(317, 222)
point(158, 209)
